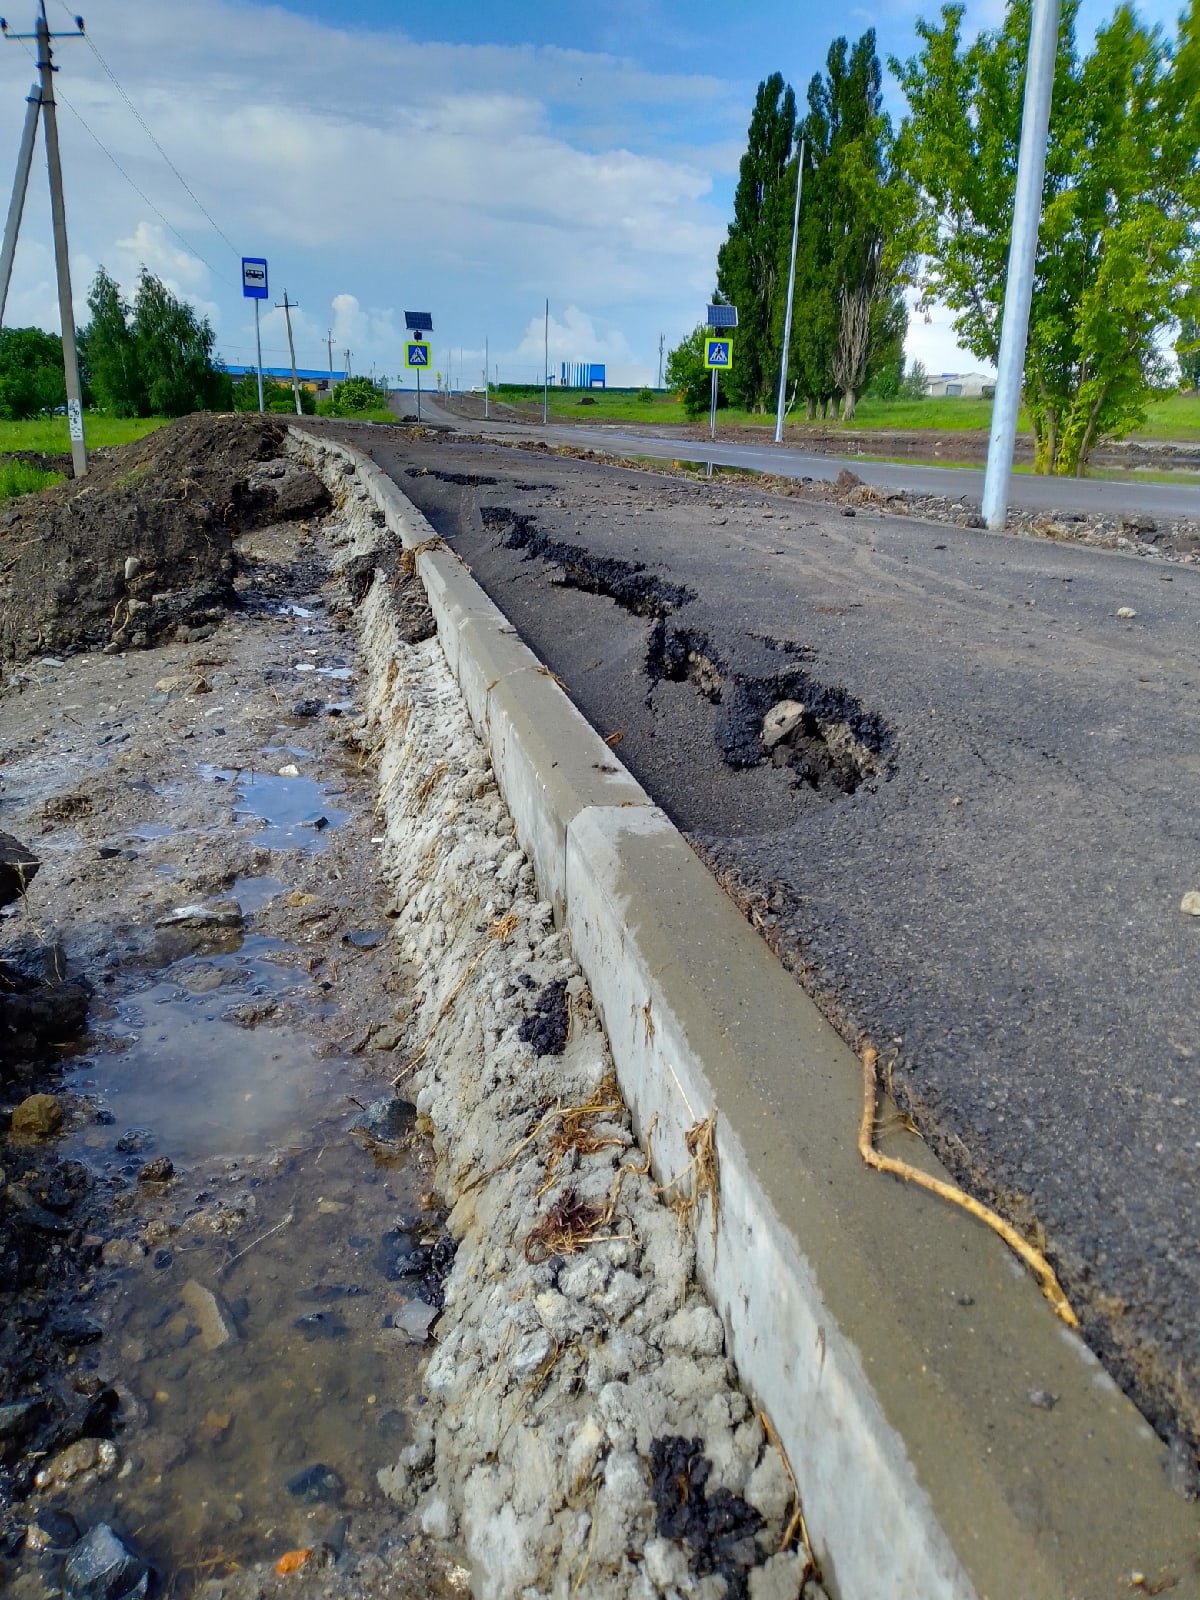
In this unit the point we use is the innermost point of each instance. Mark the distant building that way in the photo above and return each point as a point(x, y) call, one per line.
point(960, 386)
point(317, 378)
point(581, 375)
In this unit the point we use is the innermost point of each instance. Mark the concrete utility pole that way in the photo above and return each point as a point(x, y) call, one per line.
point(287, 308)
point(20, 185)
point(486, 378)
point(546, 369)
point(348, 373)
point(329, 346)
point(787, 321)
point(662, 339)
point(1022, 253)
point(58, 215)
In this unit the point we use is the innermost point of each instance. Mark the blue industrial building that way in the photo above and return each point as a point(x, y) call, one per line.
point(316, 377)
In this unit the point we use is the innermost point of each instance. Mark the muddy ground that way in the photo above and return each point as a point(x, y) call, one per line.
point(970, 839)
point(215, 1290)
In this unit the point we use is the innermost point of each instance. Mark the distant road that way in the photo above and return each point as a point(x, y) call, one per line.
point(1098, 495)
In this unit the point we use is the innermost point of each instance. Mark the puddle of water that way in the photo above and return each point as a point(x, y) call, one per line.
point(151, 830)
point(252, 892)
point(295, 811)
point(204, 1085)
point(342, 674)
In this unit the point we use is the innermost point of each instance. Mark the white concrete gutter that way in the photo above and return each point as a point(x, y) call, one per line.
point(903, 1356)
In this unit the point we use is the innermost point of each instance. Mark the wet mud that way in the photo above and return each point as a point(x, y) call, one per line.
point(221, 1254)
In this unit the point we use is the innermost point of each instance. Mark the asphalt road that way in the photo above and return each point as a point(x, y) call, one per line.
point(998, 905)
point(1026, 490)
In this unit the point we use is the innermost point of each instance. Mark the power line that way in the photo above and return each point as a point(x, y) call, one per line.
point(149, 132)
point(190, 248)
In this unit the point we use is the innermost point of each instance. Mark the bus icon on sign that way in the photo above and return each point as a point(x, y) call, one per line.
point(254, 278)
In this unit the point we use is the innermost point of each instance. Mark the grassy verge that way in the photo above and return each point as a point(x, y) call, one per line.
point(49, 434)
point(1175, 416)
point(375, 414)
point(17, 478)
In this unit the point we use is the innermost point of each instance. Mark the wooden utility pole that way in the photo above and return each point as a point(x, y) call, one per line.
point(287, 308)
point(58, 214)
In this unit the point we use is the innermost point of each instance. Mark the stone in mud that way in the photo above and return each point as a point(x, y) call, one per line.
point(221, 914)
point(212, 1315)
point(38, 1117)
point(100, 1567)
point(316, 1484)
point(321, 1325)
point(18, 1419)
point(159, 1169)
point(18, 867)
point(388, 1119)
point(90, 1459)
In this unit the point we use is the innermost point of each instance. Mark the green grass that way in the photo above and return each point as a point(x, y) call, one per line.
point(17, 478)
point(49, 434)
point(1175, 416)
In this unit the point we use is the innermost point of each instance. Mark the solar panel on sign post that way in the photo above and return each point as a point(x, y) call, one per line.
point(418, 321)
point(722, 317)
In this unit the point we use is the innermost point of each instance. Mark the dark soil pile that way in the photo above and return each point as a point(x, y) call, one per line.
point(141, 550)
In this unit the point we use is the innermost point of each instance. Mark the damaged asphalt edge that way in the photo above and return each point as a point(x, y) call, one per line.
point(899, 1352)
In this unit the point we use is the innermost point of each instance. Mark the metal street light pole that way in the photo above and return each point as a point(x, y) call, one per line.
point(1022, 253)
point(787, 321)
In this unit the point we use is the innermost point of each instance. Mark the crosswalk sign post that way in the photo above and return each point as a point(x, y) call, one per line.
point(718, 357)
point(416, 358)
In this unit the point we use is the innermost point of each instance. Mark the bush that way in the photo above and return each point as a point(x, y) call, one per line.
point(353, 397)
point(645, 394)
point(277, 397)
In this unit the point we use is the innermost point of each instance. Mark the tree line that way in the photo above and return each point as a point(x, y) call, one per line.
point(152, 356)
point(926, 208)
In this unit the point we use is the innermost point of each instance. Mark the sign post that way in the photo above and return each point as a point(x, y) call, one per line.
point(718, 357)
point(254, 287)
point(718, 352)
point(416, 349)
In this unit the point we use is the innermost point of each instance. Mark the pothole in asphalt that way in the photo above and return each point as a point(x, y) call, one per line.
point(464, 480)
point(627, 582)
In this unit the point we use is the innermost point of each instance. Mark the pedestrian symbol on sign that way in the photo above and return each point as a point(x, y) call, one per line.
point(718, 354)
point(416, 353)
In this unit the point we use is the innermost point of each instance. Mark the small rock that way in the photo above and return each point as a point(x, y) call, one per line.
point(221, 914)
point(783, 718)
point(132, 567)
point(100, 1567)
point(779, 1578)
point(321, 1325)
point(1042, 1399)
point(388, 1119)
point(211, 1314)
point(1190, 904)
point(159, 1169)
point(18, 868)
point(1125, 612)
point(52, 1530)
point(316, 1484)
point(308, 708)
point(18, 1419)
point(39, 1116)
point(93, 1459)
point(290, 771)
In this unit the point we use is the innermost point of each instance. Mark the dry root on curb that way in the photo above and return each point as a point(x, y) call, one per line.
point(501, 929)
point(1033, 1259)
point(701, 1142)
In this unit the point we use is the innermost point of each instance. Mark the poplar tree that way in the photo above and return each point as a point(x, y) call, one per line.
point(749, 274)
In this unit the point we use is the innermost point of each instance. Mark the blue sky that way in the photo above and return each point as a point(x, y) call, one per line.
point(464, 158)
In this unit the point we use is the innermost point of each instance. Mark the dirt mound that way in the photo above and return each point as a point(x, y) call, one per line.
point(142, 549)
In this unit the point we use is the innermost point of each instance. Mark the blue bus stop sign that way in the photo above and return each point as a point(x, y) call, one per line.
point(254, 278)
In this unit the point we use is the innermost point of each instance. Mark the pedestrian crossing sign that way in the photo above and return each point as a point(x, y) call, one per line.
point(416, 353)
point(718, 354)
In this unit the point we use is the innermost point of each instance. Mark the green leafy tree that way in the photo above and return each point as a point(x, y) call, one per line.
point(688, 377)
point(857, 227)
point(748, 263)
point(31, 373)
point(1187, 349)
point(1119, 207)
point(107, 351)
point(151, 358)
point(912, 385)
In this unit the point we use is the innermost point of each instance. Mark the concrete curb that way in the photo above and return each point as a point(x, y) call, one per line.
point(902, 1355)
